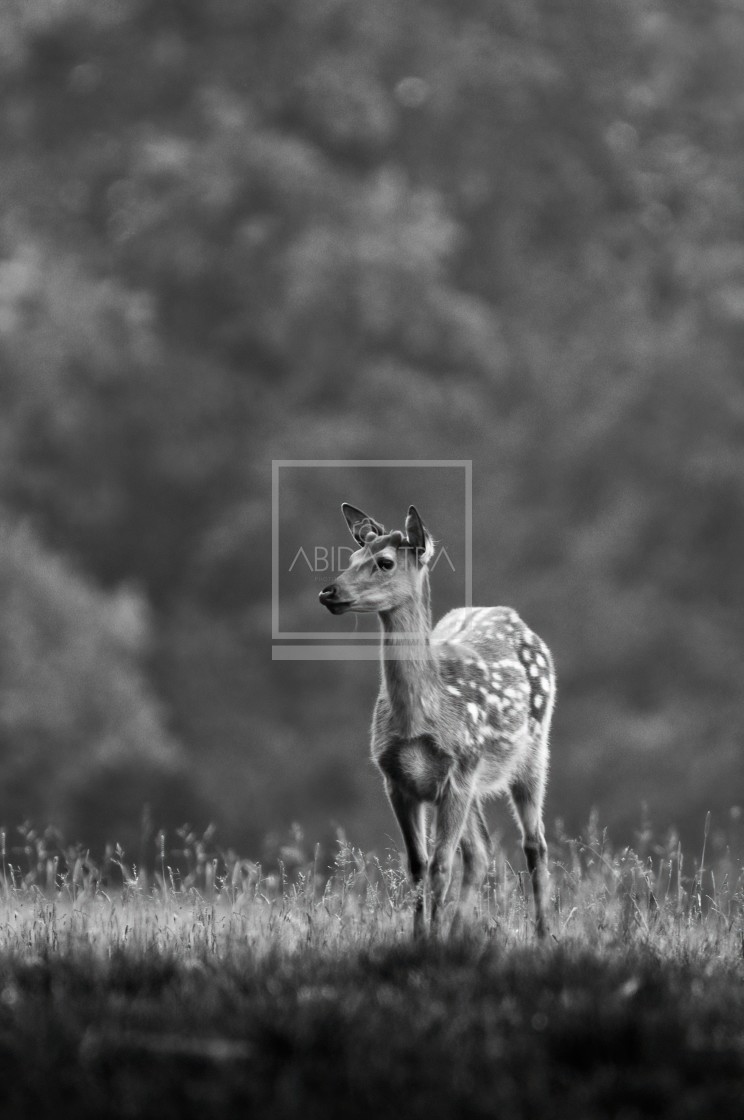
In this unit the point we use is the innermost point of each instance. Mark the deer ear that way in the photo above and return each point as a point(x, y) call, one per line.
point(418, 535)
point(360, 523)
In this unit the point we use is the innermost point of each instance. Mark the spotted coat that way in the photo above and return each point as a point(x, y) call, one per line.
point(498, 667)
point(489, 714)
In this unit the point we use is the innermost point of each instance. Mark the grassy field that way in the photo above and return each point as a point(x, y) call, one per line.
point(211, 986)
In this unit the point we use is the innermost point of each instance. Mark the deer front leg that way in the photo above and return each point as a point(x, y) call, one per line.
point(475, 845)
point(411, 819)
point(452, 813)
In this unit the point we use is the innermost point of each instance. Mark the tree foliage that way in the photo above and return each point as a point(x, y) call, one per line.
point(505, 232)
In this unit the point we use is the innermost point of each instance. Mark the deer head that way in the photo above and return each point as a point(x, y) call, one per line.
point(387, 571)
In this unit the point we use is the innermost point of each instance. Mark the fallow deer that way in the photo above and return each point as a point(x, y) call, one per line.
point(463, 713)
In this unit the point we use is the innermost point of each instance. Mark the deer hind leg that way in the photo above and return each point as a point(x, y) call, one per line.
point(475, 845)
point(411, 817)
point(527, 795)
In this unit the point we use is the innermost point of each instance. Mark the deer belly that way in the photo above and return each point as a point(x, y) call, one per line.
point(417, 766)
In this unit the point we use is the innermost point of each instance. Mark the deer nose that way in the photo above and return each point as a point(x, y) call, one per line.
point(328, 594)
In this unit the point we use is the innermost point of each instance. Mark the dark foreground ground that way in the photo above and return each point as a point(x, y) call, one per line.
point(433, 1031)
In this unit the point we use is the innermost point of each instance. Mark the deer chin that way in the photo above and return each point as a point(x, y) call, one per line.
point(346, 605)
point(339, 608)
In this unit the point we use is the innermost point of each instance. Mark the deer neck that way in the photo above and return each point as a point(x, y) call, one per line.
point(409, 669)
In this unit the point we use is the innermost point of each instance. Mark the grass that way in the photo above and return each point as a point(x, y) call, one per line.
point(210, 987)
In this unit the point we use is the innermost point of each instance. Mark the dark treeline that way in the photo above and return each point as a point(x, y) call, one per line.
point(232, 232)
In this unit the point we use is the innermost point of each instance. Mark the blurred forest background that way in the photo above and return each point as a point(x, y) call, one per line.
point(510, 231)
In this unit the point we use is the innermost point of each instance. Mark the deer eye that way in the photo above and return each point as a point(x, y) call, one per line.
point(385, 564)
